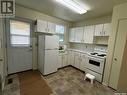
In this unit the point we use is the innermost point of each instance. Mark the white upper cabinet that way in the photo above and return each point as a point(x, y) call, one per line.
point(45, 27)
point(102, 29)
point(88, 34)
point(107, 29)
point(72, 35)
point(41, 26)
point(51, 27)
point(98, 30)
point(79, 34)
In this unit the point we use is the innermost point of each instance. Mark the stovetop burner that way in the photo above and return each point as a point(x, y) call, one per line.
point(93, 53)
point(98, 54)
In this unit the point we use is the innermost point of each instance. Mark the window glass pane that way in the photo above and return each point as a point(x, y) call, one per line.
point(20, 40)
point(60, 29)
point(61, 38)
point(19, 28)
point(19, 33)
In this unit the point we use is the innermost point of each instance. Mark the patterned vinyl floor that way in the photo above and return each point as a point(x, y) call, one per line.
point(69, 81)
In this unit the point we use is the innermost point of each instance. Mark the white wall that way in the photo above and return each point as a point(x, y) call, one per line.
point(33, 15)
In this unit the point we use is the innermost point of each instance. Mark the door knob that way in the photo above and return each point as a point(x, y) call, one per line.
point(115, 59)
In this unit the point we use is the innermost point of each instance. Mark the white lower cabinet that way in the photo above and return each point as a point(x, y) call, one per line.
point(71, 58)
point(64, 60)
point(59, 61)
point(83, 62)
point(77, 60)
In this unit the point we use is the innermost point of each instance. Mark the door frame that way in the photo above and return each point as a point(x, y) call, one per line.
point(7, 34)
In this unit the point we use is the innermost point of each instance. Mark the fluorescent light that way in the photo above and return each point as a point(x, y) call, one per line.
point(73, 5)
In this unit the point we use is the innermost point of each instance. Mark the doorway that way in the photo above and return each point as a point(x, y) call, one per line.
point(19, 45)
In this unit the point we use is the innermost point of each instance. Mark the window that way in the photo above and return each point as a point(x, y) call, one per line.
point(19, 33)
point(60, 32)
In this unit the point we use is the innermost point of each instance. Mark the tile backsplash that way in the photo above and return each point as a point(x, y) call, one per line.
point(86, 47)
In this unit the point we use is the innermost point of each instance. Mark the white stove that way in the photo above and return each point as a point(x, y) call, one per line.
point(96, 63)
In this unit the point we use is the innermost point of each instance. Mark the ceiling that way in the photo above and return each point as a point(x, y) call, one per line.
point(96, 8)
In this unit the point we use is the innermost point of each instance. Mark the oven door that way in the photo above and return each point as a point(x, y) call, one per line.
point(95, 64)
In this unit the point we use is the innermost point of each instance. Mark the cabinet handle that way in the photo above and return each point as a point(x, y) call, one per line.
point(104, 32)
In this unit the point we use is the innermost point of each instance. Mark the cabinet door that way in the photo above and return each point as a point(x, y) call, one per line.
point(41, 26)
point(79, 34)
point(107, 29)
point(59, 61)
point(121, 39)
point(71, 58)
point(77, 60)
point(98, 30)
point(51, 27)
point(88, 34)
point(64, 60)
point(83, 62)
point(72, 35)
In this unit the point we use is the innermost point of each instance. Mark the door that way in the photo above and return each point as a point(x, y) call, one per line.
point(72, 35)
point(50, 64)
point(79, 34)
point(19, 45)
point(121, 39)
point(51, 42)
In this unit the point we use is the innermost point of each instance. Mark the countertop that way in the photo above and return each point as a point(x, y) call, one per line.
point(80, 51)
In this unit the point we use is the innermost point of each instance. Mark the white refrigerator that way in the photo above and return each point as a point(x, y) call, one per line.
point(48, 54)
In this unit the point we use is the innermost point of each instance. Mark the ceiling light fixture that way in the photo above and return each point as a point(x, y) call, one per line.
point(73, 5)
